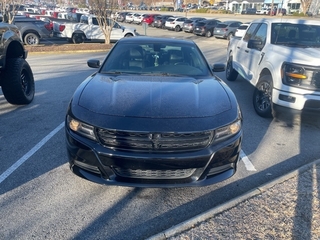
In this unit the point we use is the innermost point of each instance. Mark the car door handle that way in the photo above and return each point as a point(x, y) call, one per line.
point(238, 47)
point(247, 51)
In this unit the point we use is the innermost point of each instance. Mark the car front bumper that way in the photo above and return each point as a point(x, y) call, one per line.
point(92, 161)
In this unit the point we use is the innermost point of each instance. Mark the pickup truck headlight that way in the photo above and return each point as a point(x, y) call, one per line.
point(81, 128)
point(301, 76)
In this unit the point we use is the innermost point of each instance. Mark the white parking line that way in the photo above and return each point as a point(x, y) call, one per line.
point(248, 164)
point(18, 163)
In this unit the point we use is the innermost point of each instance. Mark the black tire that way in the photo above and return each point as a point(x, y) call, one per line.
point(231, 74)
point(230, 35)
point(208, 34)
point(18, 83)
point(262, 97)
point(128, 35)
point(31, 39)
point(78, 38)
point(177, 28)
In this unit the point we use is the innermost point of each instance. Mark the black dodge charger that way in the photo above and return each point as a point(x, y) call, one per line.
point(154, 115)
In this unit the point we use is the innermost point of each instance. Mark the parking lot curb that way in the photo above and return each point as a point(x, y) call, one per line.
point(190, 223)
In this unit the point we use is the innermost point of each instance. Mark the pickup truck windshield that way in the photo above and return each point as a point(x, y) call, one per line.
point(295, 35)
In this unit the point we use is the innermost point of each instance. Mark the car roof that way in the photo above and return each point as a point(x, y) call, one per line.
point(148, 40)
point(286, 20)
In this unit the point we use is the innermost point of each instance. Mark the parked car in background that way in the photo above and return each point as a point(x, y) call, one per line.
point(161, 21)
point(33, 30)
point(189, 23)
point(251, 11)
point(276, 11)
point(129, 17)
point(138, 17)
point(175, 23)
point(121, 16)
point(149, 18)
point(193, 138)
point(226, 29)
point(206, 27)
point(263, 11)
point(241, 30)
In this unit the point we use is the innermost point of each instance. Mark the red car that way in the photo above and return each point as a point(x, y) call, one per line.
point(149, 18)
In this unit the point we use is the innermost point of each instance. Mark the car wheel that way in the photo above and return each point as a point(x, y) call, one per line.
point(31, 39)
point(18, 82)
point(177, 28)
point(128, 35)
point(230, 35)
point(262, 97)
point(78, 38)
point(208, 34)
point(231, 73)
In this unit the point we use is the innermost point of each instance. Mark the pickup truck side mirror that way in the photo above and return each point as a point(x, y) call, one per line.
point(255, 44)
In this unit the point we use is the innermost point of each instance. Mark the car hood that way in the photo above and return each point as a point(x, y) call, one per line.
point(309, 56)
point(154, 96)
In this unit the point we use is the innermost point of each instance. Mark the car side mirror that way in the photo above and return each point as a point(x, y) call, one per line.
point(93, 63)
point(218, 67)
point(255, 44)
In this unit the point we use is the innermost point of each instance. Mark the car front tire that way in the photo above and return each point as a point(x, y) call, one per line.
point(18, 82)
point(262, 97)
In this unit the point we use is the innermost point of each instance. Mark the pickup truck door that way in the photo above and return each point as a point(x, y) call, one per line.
point(117, 32)
point(95, 32)
point(249, 57)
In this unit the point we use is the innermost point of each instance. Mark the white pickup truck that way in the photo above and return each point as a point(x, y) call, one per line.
point(281, 58)
point(89, 29)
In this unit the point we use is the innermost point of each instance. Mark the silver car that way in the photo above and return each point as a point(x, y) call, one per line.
point(226, 29)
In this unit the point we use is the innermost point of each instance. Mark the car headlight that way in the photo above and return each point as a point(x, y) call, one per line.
point(81, 128)
point(302, 76)
point(227, 131)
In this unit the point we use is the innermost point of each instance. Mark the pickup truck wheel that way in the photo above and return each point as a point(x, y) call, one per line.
point(231, 74)
point(78, 38)
point(208, 34)
point(18, 82)
point(31, 39)
point(262, 97)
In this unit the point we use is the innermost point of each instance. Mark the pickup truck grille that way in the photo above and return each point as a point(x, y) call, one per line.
point(154, 142)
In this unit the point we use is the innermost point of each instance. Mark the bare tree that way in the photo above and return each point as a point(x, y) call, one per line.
point(9, 9)
point(103, 9)
point(305, 4)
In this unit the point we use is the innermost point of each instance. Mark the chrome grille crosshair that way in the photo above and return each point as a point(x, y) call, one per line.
point(155, 142)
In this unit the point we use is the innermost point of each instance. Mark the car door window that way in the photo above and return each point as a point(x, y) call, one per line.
point(261, 34)
point(251, 30)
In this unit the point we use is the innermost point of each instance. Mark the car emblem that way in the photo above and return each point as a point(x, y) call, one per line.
point(155, 137)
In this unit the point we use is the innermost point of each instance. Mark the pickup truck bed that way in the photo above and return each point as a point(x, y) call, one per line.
point(33, 30)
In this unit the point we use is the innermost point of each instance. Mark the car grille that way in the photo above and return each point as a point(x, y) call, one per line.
point(154, 174)
point(154, 142)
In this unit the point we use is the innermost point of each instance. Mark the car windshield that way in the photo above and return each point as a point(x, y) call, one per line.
point(156, 59)
point(296, 35)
